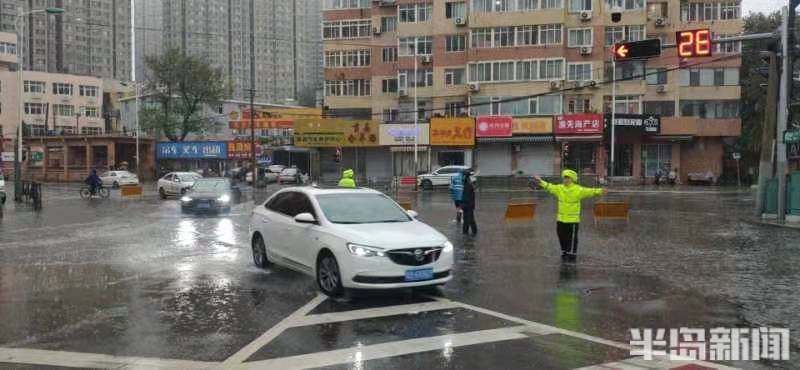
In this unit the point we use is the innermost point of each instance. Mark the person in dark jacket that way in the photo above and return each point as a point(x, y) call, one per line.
point(468, 203)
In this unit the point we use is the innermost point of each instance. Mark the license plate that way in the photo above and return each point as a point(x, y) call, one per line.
point(417, 275)
point(203, 205)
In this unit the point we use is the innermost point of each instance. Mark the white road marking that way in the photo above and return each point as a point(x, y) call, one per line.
point(359, 354)
point(369, 313)
point(93, 360)
point(273, 332)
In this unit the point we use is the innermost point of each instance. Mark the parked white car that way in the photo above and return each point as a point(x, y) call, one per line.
point(440, 177)
point(115, 179)
point(349, 238)
point(176, 183)
point(2, 190)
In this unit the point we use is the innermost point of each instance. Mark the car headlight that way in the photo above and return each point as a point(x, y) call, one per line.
point(447, 247)
point(225, 198)
point(186, 198)
point(364, 251)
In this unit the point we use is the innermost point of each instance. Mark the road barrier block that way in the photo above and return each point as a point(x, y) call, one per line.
point(405, 203)
point(130, 190)
point(611, 211)
point(520, 211)
point(408, 181)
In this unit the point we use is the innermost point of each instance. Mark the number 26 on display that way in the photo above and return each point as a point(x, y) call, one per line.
point(694, 43)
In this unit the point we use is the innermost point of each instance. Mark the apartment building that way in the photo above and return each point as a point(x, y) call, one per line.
point(91, 38)
point(546, 64)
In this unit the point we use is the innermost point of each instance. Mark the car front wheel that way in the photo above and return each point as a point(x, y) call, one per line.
point(427, 184)
point(260, 252)
point(328, 277)
point(162, 193)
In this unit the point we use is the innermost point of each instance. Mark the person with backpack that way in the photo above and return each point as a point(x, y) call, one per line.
point(569, 195)
point(468, 204)
point(456, 192)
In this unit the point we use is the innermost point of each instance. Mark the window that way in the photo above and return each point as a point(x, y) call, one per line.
point(481, 37)
point(90, 112)
point(579, 37)
point(624, 104)
point(91, 131)
point(635, 33)
point(389, 54)
point(709, 12)
point(550, 34)
point(347, 88)
point(87, 90)
point(347, 58)
point(551, 4)
point(630, 70)
point(390, 114)
point(617, 34)
point(503, 71)
point(545, 105)
point(345, 4)
point(656, 156)
point(527, 35)
point(63, 110)
point(527, 5)
point(658, 9)
point(424, 78)
point(454, 77)
point(62, 89)
point(710, 108)
point(8, 48)
point(388, 24)
point(522, 70)
point(576, 6)
point(455, 10)
point(422, 44)
point(33, 87)
point(455, 43)
point(414, 13)
point(625, 4)
point(551, 69)
point(455, 109)
point(656, 76)
point(709, 77)
point(527, 70)
point(516, 36)
point(503, 36)
point(730, 10)
point(579, 71)
point(726, 47)
point(579, 104)
point(346, 29)
point(662, 108)
point(34, 108)
point(389, 85)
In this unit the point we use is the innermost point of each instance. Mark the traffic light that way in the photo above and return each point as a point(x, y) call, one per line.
point(694, 43)
point(637, 50)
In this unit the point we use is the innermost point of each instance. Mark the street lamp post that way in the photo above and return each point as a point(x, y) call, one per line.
point(18, 29)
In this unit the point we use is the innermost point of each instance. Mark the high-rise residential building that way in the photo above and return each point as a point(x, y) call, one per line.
point(91, 38)
point(546, 64)
point(148, 33)
point(286, 35)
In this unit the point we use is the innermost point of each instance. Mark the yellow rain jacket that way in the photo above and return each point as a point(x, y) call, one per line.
point(570, 197)
point(347, 180)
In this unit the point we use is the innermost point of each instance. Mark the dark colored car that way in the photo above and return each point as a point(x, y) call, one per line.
point(211, 195)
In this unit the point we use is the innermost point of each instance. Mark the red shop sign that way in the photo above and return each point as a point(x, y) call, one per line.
point(494, 126)
point(584, 123)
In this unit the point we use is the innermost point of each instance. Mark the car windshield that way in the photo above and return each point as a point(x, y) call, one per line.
point(360, 208)
point(188, 177)
point(290, 171)
point(209, 185)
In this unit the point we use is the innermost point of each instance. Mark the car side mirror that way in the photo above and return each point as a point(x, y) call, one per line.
point(305, 218)
point(412, 213)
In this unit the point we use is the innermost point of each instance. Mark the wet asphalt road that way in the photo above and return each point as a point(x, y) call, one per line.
point(137, 279)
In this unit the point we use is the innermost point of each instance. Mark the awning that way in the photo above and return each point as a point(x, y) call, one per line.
point(517, 139)
point(409, 148)
point(580, 138)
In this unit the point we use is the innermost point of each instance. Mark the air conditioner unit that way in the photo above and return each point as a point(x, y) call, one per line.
point(555, 85)
point(386, 2)
point(402, 92)
point(460, 21)
point(591, 83)
point(586, 50)
point(661, 22)
point(376, 31)
point(474, 87)
point(661, 89)
point(586, 15)
point(427, 59)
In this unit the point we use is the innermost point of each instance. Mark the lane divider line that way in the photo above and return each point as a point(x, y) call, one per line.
point(92, 360)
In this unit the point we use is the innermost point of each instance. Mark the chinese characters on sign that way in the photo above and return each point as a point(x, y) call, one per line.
point(494, 126)
point(722, 344)
point(404, 134)
point(240, 149)
point(452, 131)
point(335, 133)
point(577, 124)
point(534, 125)
point(648, 123)
point(192, 150)
point(262, 123)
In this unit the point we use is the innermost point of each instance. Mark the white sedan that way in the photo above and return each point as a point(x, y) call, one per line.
point(176, 183)
point(349, 238)
point(116, 178)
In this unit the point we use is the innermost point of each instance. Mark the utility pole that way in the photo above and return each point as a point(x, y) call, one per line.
point(765, 168)
point(252, 96)
point(783, 116)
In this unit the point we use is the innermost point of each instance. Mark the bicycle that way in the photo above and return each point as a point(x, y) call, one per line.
point(101, 191)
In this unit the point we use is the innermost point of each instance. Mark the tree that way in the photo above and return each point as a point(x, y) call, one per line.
point(181, 86)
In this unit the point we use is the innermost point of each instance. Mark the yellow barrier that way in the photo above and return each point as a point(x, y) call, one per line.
point(520, 211)
point(611, 210)
point(405, 203)
point(130, 190)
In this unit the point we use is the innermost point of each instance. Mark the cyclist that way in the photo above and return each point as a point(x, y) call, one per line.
point(93, 181)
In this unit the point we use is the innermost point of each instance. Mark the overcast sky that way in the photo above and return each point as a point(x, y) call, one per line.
point(763, 6)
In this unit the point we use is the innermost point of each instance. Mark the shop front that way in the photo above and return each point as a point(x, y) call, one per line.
point(452, 141)
point(341, 144)
point(638, 150)
point(792, 139)
point(398, 142)
point(208, 157)
point(514, 146)
point(580, 143)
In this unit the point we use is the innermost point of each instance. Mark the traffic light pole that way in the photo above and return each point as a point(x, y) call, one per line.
point(783, 116)
point(613, 110)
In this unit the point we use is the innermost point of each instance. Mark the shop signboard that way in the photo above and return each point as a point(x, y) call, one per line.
point(262, 123)
point(317, 133)
point(533, 125)
point(192, 150)
point(578, 124)
point(240, 149)
point(392, 134)
point(452, 131)
point(494, 126)
point(648, 123)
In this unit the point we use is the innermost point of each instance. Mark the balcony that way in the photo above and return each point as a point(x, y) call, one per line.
point(701, 126)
